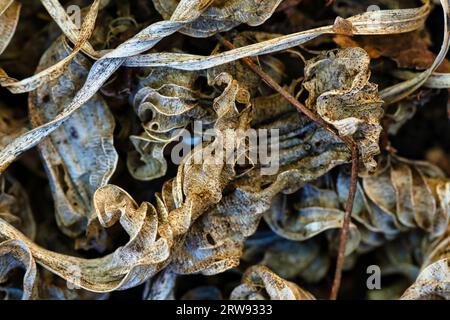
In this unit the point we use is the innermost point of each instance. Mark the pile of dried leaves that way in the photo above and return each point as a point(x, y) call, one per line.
point(93, 204)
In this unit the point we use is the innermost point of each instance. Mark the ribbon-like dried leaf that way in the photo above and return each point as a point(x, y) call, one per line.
point(382, 22)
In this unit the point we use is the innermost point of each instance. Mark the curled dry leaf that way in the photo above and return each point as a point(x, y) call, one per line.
point(165, 103)
point(382, 22)
point(221, 15)
point(413, 193)
point(215, 242)
point(36, 284)
point(61, 16)
point(109, 272)
point(260, 283)
point(403, 89)
point(433, 283)
point(306, 150)
point(187, 10)
point(402, 195)
point(340, 92)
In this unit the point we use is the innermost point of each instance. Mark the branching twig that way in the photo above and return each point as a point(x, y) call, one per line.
point(347, 140)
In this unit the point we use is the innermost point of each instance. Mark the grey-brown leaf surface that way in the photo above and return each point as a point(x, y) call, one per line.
point(340, 92)
point(260, 283)
point(79, 156)
point(226, 149)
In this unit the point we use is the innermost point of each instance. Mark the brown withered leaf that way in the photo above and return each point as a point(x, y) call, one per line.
point(57, 68)
point(37, 283)
point(408, 50)
point(401, 195)
point(124, 267)
point(251, 81)
point(215, 241)
point(147, 161)
point(305, 150)
point(260, 283)
point(433, 283)
point(340, 92)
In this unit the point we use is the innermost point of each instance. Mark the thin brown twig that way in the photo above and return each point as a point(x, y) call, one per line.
point(347, 140)
point(346, 225)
